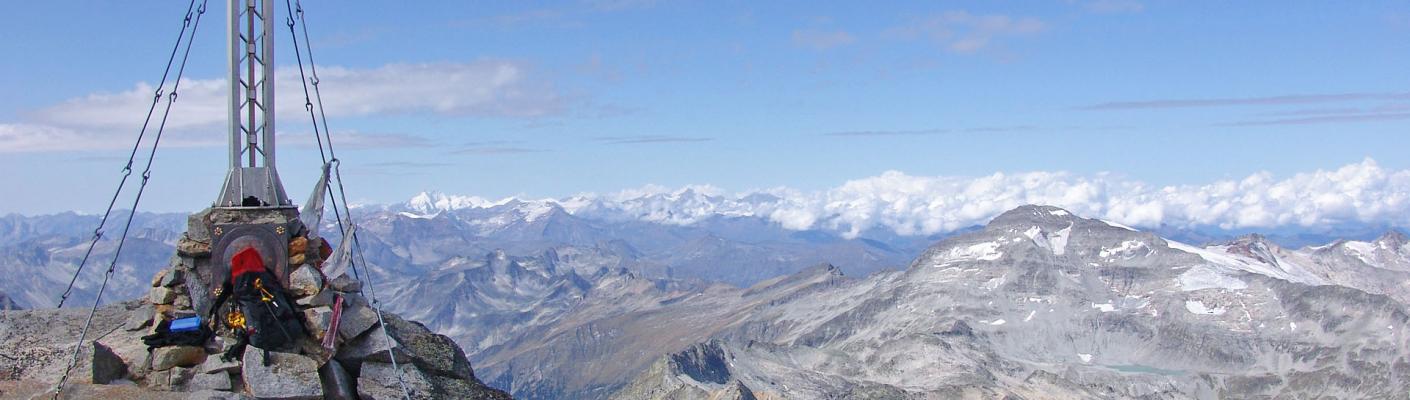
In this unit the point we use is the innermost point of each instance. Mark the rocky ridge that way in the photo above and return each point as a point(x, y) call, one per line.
point(1042, 304)
point(114, 358)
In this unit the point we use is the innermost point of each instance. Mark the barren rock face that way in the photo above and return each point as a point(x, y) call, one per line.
point(1042, 304)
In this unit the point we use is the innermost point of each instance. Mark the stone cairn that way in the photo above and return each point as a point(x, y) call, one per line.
point(432, 366)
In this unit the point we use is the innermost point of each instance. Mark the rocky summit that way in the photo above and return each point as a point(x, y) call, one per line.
point(113, 361)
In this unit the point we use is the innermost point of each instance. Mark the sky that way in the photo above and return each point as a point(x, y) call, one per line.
point(552, 99)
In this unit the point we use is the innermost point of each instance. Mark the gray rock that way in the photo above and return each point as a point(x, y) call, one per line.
point(323, 298)
point(161, 295)
point(371, 346)
point(316, 321)
point(173, 277)
point(346, 284)
point(191, 248)
point(139, 318)
point(215, 365)
point(378, 381)
point(196, 226)
point(357, 317)
point(288, 376)
point(160, 275)
point(217, 381)
point(337, 383)
point(411, 343)
point(107, 365)
point(171, 379)
point(209, 394)
point(305, 281)
point(164, 358)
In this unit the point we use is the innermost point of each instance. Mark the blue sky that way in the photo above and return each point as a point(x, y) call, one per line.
point(548, 99)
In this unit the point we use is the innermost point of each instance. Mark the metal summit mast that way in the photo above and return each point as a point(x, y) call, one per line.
point(253, 180)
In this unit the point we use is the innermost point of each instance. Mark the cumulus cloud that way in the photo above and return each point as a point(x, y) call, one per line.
point(962, 32)
point(492, 88)
point(1363, 192)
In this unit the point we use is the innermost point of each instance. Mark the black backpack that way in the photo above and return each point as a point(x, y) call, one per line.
point(270, 318)
point(262, 312)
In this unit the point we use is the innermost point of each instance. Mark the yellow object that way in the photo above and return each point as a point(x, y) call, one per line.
point(235, 319)
point(264, 295)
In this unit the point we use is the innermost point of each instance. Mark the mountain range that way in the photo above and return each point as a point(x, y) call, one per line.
point(576, 299)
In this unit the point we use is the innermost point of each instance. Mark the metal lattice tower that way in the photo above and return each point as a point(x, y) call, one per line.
point(253, 180)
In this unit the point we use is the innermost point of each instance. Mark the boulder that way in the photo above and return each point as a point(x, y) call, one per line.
point(161, 295)
point(297, 259)
point(357, 317)
point(164, 358)
point(182, 302)
point(323, 298)
point(192, 248)
point(139, 318)
point(215, 365)
point(337, 383)
point(378, 381)
point(288, 376)
point(129, 349)
point(107, 365)
point(157, 279)
point(196, 226)
point(412, 344)
point(316, 321)
point(168, 380)
point(346, 284)
point(173, 277)
point(305, 281)
point(218, 381)
point(298, 246)
point(371, 346)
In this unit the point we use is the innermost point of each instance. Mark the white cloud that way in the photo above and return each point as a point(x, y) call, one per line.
point(962, 32)
point(1362, 192)
point(111, 119)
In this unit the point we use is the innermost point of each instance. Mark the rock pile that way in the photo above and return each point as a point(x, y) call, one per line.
point(358, 365)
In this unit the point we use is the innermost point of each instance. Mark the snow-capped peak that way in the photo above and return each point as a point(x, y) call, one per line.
point(431, 203)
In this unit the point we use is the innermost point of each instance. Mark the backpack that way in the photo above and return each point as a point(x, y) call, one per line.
point(262, 312)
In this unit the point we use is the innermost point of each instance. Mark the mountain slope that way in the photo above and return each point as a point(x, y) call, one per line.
point(1042, 304)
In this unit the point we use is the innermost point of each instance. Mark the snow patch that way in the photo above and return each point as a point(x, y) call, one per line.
point(987, 251)
point(1207, 277)
point(1030, 315)
point(1125, 247)
point(1032, 233)
point(1105, 307)
point(998, 322)
point(1198, 307)
point(1059, 240)
point(1086, 358)
point(415, 216)
point(1362, 250)
point(1116, 225)
point(1058, 213)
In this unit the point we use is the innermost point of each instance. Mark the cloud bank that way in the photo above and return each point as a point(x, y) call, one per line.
point(1363, 192)
point(106, 120)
